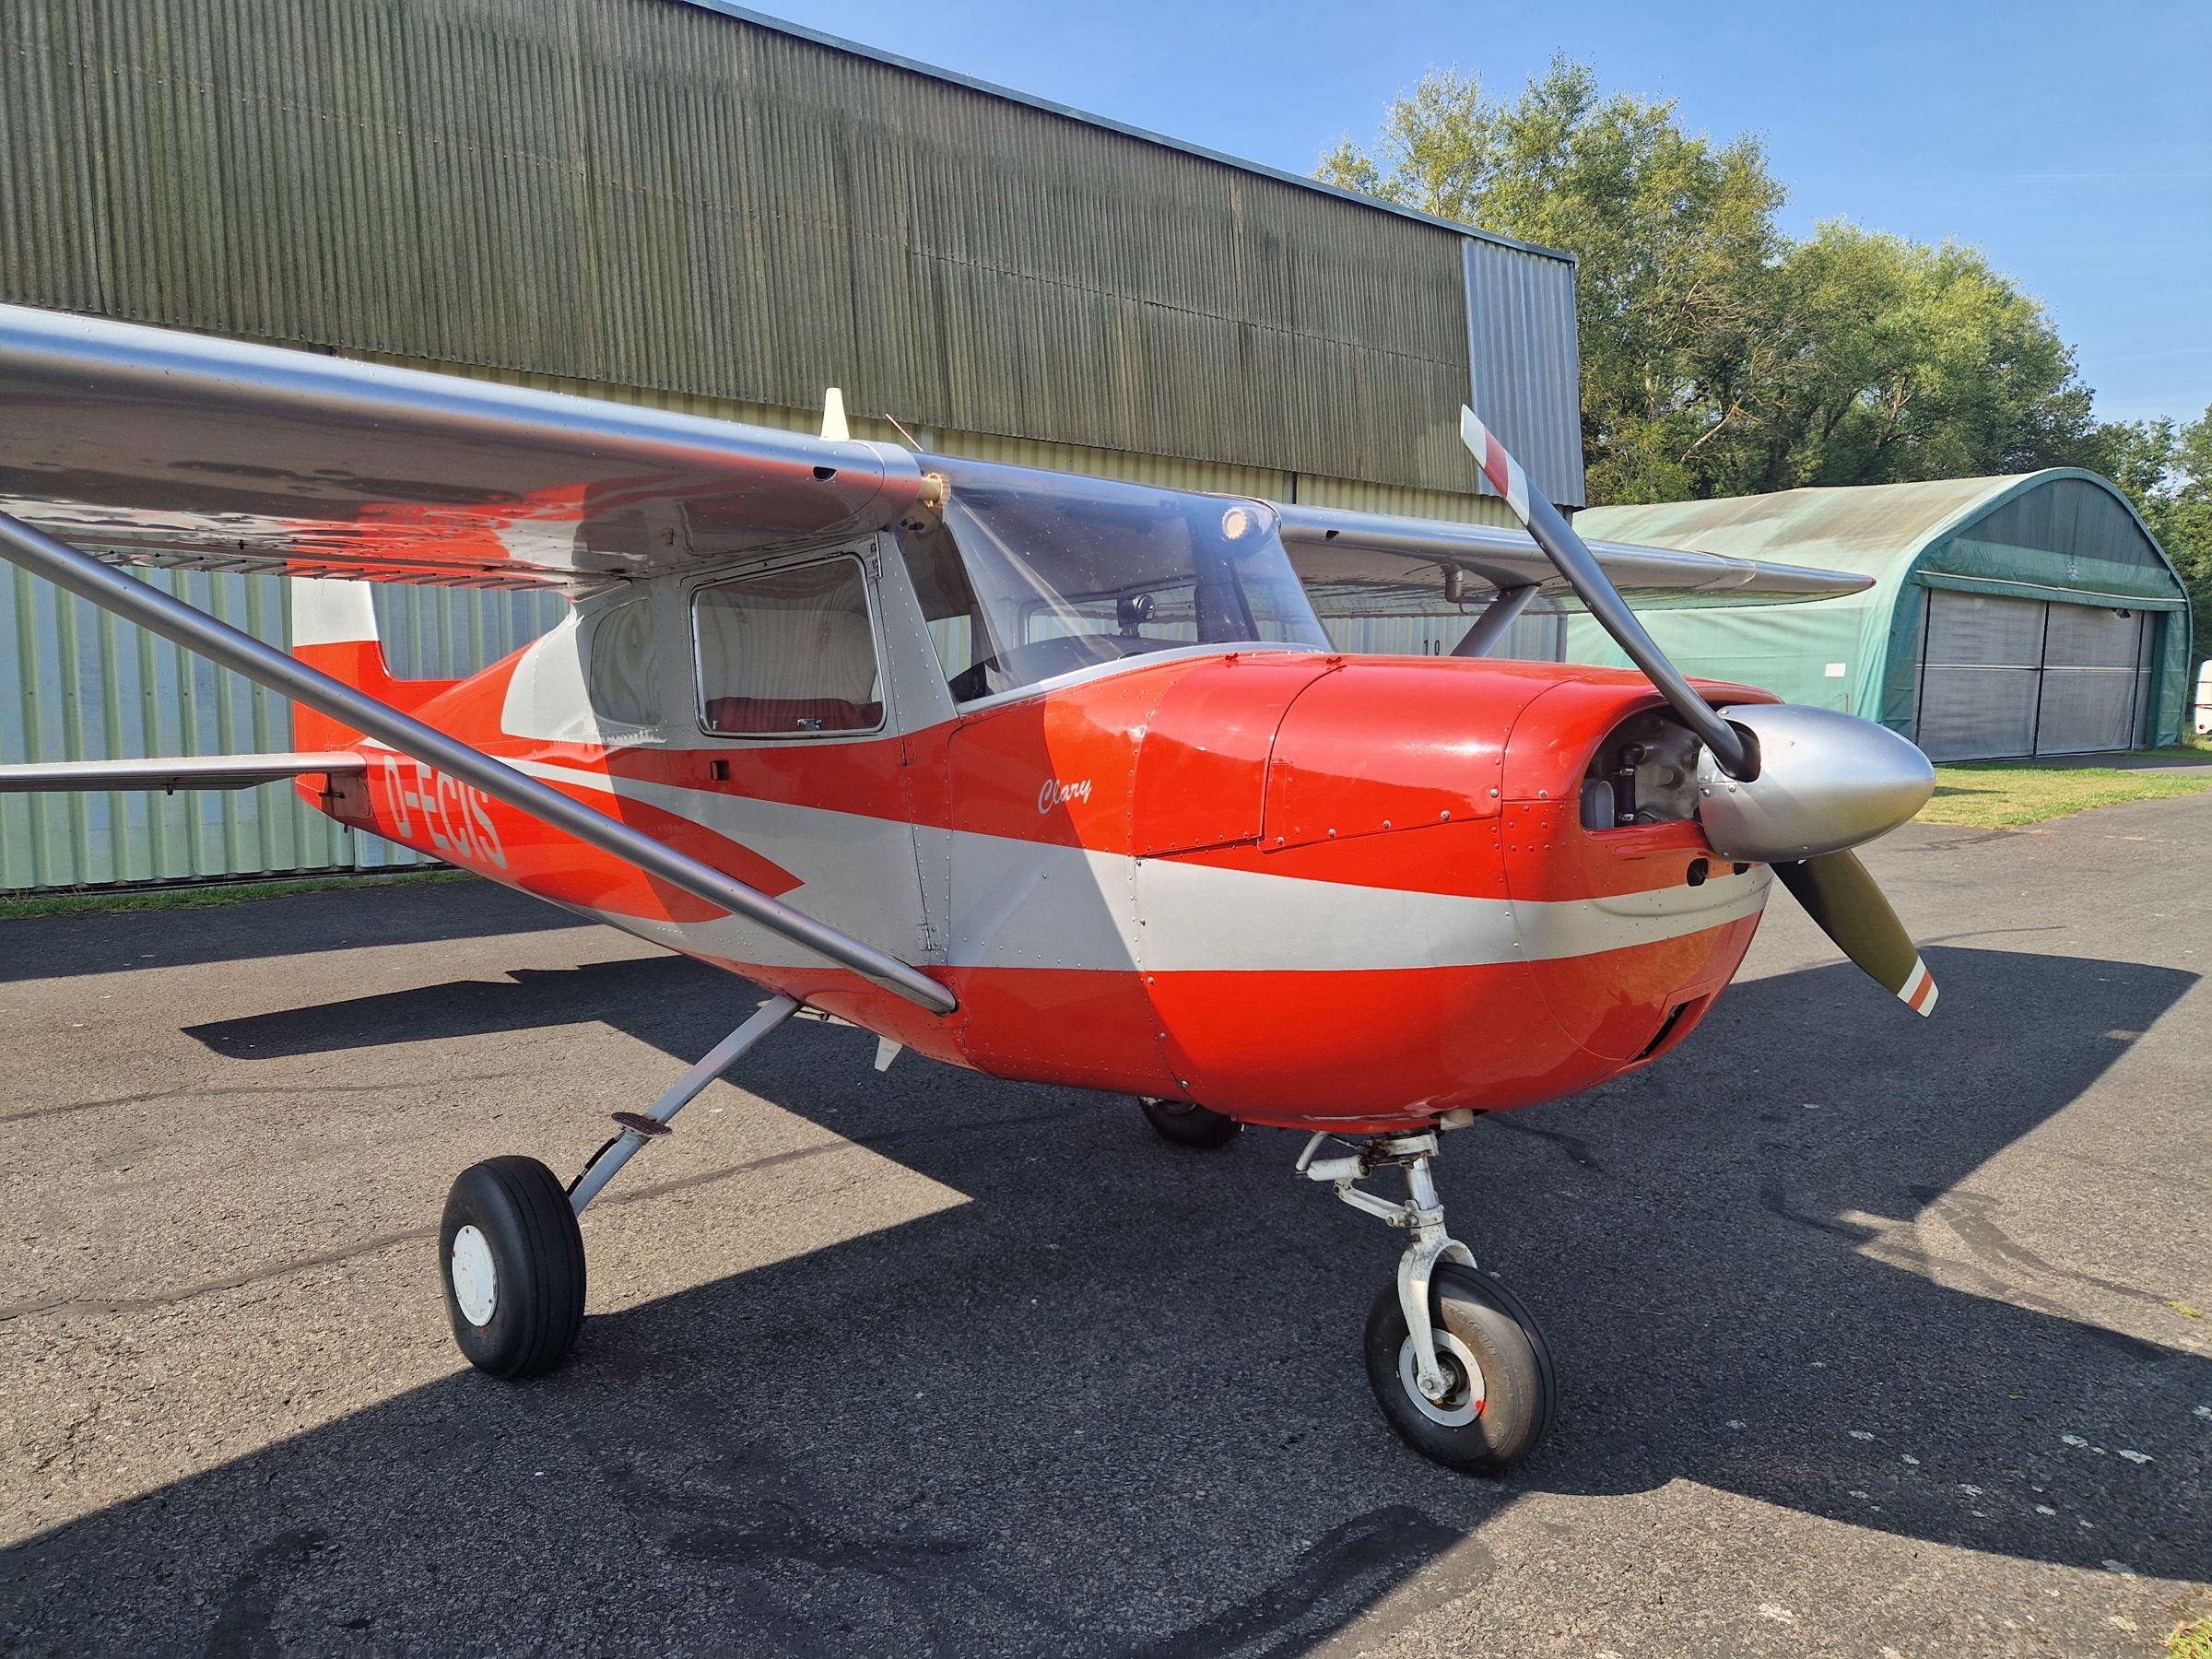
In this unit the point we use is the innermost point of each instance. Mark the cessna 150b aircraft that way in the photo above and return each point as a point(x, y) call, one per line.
point(1050, 777)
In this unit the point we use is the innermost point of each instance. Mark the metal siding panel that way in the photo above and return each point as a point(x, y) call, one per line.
point(1525, 363)
point(658, 195)
point(1535, 636)
point(1398, 500)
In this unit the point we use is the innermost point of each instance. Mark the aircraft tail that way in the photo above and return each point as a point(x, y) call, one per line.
point(333, 628)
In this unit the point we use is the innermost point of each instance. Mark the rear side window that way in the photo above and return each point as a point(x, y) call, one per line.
point(788, 654)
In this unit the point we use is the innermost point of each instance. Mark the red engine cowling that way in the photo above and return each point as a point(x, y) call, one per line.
point(1489, 950)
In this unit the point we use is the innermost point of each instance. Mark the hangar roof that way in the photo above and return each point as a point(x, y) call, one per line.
point(2068, 533)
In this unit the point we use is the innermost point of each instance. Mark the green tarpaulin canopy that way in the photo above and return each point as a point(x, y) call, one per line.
point(2060, 535)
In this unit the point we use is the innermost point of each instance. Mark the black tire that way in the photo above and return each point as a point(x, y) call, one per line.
point(527, 1231)
point(1518, 1389)
point(1188, 1124)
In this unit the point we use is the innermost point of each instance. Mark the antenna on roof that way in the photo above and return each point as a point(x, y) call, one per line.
point(833, 417)
point(911, 443)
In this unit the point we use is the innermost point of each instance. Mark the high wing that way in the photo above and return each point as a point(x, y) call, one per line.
point(175, 448)
point(122, 444)
point(1364, 564)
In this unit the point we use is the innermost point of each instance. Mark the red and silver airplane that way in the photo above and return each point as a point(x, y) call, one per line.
point(1050, 777)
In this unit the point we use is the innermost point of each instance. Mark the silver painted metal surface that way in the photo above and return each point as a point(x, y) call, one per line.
point(1459, 1405)
point(184, 450)
point(186, 771)
point(671, 197)
point(474, 1274)
point(1497, 619)
point(1827, 780)
point(1421, 1214)
point(717, 1060)
point(1333, 549)
point(135, 601)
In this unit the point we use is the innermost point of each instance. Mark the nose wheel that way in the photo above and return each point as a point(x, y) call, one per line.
point(1496, 1393)
point(1454, 1359)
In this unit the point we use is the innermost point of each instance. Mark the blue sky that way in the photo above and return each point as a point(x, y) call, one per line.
point(2072, 142)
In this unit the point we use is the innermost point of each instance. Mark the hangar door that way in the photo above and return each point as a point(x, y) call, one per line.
point(2019, 677)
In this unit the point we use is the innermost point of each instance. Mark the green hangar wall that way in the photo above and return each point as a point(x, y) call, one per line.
point(689, 205)
point(2011, 616)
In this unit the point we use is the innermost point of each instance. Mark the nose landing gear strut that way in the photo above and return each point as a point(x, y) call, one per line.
point(1455, 1362)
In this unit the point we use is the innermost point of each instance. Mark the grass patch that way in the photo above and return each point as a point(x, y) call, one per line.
point(2005, 795)
point(204, 897)
point(2190, 1640)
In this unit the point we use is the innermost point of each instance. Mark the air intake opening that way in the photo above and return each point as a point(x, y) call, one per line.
point(1666, 1029)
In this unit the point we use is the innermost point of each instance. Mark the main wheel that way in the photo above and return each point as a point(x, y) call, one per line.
point(1187, 1124)
point(1499, 1399)
point(512, 1258)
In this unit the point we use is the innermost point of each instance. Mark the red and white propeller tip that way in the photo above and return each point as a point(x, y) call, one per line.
point(1503, 471)
point(1919, 991)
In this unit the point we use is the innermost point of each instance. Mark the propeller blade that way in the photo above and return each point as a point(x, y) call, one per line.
point(1861, 779)
point(1730, 750)
point(1839, 894)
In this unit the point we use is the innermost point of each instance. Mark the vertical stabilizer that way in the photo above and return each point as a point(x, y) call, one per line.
point(333, 628)
point(333, 613)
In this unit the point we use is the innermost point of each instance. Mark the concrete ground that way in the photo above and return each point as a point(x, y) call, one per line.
point(1876, 1336)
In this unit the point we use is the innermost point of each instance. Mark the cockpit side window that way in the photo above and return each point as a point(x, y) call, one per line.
point(788, 653)
point(948, 605)
point(620, 681)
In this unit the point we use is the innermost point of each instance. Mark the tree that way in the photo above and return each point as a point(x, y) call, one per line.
point(1719, 356)
point(2167, 470)
point(1909, 361)
point(1674, 237)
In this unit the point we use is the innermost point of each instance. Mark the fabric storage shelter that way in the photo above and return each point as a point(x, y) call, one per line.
point(2029, 615)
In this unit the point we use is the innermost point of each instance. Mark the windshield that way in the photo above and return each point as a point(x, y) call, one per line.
point(1045, 573)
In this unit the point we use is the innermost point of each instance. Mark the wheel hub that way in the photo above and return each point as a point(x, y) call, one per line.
point(1461, 1400)
point(475, 1276)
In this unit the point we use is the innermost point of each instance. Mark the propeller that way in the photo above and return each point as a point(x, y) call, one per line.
point(1778, 784)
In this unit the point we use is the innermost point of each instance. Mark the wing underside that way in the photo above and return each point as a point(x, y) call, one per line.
point(1361, 564)
point(150, 446)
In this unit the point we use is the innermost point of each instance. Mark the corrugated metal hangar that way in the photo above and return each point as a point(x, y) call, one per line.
point(2032, 615)
point(681, 203)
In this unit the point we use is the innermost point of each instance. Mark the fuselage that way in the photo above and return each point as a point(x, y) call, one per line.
point(1298, 887)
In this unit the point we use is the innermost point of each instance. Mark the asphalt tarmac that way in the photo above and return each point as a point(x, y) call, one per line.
point(1876, 1336)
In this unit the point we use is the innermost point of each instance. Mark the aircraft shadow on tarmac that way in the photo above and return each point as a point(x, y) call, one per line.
point(123, 941)
point(1114, 1403)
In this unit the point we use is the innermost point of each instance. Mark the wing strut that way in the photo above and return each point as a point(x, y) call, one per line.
point(150, 608)
point(1501, 614)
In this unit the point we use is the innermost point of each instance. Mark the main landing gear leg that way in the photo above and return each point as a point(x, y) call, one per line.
point(1455, 1362)
point(509, 1248)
